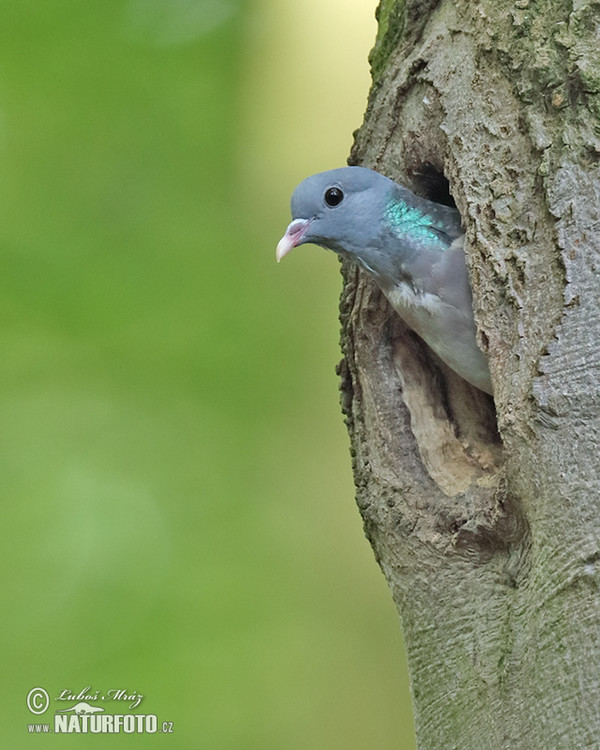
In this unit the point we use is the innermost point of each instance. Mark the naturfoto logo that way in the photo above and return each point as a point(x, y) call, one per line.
point(91, 712)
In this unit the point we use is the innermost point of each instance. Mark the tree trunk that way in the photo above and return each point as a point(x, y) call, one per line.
point(485, 514)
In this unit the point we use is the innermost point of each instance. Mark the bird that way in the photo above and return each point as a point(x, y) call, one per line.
point(412, 247)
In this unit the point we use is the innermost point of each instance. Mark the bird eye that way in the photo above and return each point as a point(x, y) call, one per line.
point(333, 196)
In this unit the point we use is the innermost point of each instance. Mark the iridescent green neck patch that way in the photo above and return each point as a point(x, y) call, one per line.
point(410, 222)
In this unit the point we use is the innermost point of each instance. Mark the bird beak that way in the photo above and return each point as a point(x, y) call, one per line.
point(293, 236)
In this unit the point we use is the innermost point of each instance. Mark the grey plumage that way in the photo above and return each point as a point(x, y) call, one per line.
point(412, 247)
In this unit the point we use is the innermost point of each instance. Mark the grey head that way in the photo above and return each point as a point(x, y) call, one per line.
point(369, 219)
point(339, 210)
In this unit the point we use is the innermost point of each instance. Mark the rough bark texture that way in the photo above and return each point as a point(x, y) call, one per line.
point(484, 517)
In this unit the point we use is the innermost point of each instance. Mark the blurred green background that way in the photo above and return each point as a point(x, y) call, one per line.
point(179, 512)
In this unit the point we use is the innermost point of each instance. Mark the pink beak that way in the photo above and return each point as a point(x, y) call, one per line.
point(292, 237)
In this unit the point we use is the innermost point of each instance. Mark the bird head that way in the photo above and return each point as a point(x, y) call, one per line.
point(338, 210)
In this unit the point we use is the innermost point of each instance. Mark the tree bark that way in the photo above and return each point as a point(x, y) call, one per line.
point(484, 514)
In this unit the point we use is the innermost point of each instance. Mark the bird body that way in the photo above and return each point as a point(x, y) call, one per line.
point(412, 247)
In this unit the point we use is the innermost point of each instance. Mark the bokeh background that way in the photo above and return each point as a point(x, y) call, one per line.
point(178, 506)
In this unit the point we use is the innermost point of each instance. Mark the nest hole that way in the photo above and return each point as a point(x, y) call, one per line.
point(431, 183)
point(454, 423)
